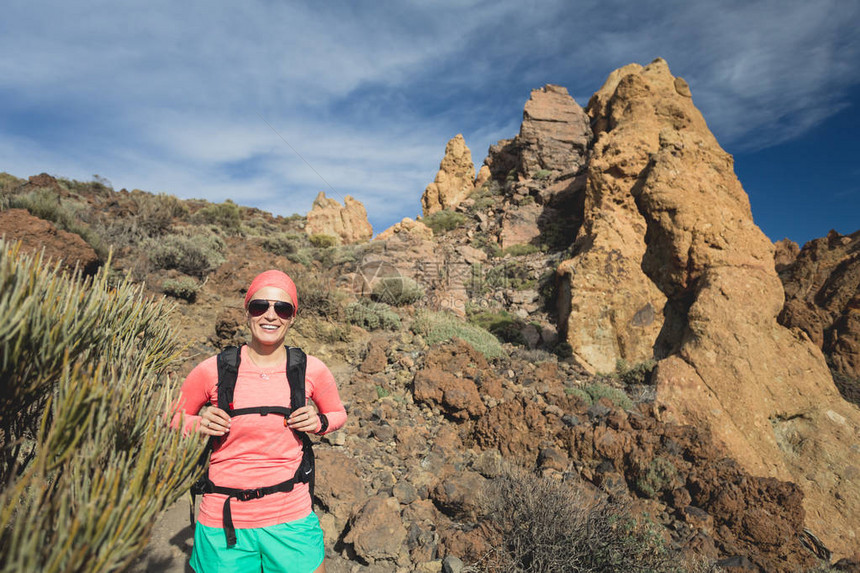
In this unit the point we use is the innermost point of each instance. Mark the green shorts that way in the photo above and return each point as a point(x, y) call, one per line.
point(294, 547)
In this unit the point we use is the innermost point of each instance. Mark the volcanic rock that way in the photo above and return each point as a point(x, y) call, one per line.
point(784, 253)
point(348, 222)
point(822, 292)
point(609, 309)
point(554, 134)
point(407, 226)
point(454, 180)
point(727, 365)
point(37, 235)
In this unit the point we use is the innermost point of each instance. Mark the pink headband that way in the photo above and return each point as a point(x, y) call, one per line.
point(273, 278)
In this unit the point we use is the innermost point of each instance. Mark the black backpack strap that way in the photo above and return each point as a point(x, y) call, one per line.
point(297, 364)
point(228, 371)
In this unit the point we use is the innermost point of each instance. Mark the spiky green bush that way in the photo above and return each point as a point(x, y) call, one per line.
point(437, 327)
point(88, 458)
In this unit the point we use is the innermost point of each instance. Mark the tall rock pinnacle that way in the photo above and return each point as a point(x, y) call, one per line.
point(670, 260)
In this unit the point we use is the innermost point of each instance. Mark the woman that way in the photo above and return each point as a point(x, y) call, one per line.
point(277, 531)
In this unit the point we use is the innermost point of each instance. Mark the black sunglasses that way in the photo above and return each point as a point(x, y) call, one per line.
point(260, 306)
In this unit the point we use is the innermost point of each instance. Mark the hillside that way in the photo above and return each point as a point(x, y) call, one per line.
point(594, 304)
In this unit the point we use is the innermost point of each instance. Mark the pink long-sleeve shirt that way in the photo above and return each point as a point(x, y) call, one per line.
point(258, 451)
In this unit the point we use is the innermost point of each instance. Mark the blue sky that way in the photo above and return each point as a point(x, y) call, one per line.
point(179, 97)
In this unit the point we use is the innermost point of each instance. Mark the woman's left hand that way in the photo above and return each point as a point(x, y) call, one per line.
point(304, 419)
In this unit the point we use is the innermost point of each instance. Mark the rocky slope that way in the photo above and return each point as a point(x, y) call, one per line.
point(617, 237)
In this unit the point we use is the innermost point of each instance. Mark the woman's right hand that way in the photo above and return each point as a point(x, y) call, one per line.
point(213, 421)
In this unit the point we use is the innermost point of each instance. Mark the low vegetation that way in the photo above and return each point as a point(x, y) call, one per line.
point(437, 327)
point(372, 315)
point(443, 221)
point(88, 458)
point(551, 526)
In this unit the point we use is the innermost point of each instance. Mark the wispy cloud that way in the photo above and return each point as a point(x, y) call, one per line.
point(168, 96)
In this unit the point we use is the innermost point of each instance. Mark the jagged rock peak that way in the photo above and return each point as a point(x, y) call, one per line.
point(347, 222)
point(454, 181)
point(555, 133)
point(670, 264)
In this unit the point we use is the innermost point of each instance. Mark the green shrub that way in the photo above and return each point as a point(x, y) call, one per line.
point(88, 460)
point(520, 250)
point(302, 257)
point(227, 216)
point(397, 291)
point(579, 393)
point(372, 315)
point(617, 396)
point(482, 241)
point(502, 325)
point(283, 244)
point(317, 295)
point(323, 241)
point(443, 221)
point(632, 374)
point(437, 327)
point(549, 526)
point(155, 213)
point(195, 255)
point(543, 174)
point(661, 476)
point(185, 288)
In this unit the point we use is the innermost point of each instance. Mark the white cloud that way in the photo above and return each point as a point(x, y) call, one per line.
point(168, 96)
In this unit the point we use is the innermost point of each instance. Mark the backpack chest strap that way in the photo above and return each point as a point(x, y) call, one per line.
point(261, 410)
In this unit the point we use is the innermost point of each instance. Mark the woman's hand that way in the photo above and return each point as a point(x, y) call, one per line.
point(213, 421)
point(304, 419)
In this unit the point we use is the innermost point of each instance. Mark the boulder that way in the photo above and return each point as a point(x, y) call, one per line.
point(377, 531)
point(37, 235)
point(822, 297)
point(347, 222)
point(454, 181)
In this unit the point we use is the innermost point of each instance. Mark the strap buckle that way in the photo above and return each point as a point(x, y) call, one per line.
point(249, 494)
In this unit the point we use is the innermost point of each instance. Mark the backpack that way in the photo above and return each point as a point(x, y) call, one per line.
point(228, 371)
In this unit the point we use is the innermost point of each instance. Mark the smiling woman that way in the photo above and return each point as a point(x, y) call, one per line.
point(257, 494)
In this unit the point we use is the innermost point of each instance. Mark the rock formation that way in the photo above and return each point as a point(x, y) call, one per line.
point(763, 390)
point(38, 235)
point(407, 226)
point(609, 309)
point(784, 254)
point(822, 292)
point(454, 181)
point(348, 222)
point(554, 135)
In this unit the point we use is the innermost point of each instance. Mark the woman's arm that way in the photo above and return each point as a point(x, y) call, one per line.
point(195, 393)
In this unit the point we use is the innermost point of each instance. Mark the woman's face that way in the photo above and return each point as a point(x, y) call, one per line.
point(269, 329)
